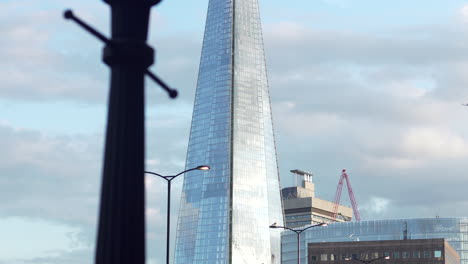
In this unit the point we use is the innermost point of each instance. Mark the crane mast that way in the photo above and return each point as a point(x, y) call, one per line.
point(339, 188)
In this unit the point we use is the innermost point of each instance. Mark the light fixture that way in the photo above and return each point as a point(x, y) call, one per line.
point(203, 167)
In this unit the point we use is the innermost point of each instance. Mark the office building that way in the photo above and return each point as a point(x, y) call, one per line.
point(413, 251)
point(302, 207)
point(225, 213)
point(454, 230)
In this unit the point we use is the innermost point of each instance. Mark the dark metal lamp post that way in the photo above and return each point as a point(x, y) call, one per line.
point(169, 179)
point(298, 233)
point(368, 261)
point(121, 226)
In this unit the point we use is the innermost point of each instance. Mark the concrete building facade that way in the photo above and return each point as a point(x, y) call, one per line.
point(453, 230)
point(414, 251)
point(302, 207)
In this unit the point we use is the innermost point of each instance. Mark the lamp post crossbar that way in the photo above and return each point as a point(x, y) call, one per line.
point(68, 14)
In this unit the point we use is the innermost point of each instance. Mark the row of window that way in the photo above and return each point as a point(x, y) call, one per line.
point(373, 255)
point(383, 261)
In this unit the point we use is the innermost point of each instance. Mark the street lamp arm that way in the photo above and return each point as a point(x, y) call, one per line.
point(170, 177)
point(321, 224)
point(204, 167)
point(284, 227)
point(154, 173)
point(297, 231)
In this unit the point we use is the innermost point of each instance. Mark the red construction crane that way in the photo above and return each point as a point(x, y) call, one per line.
point(344, 175)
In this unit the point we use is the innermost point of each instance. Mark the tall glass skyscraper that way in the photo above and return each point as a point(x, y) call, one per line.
point(225, 213)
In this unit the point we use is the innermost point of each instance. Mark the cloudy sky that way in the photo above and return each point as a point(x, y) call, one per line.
point(372, 86)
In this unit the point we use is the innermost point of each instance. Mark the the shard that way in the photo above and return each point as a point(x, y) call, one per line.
point(225, 213)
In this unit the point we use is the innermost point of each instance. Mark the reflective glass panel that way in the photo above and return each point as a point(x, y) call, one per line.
point(454, 230)
point(226, 212)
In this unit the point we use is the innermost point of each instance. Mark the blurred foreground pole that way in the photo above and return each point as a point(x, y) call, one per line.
point(121, 231)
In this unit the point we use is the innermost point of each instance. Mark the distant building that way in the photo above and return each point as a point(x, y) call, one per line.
point(453, 230)
point(302, 208)
point(417, 251)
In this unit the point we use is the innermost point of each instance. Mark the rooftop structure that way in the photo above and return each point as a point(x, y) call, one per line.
point(302, 207)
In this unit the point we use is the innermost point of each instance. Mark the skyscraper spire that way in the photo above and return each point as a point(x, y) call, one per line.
point(225, 213)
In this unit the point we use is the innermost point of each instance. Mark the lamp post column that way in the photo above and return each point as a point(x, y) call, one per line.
point(298, 247)
point(121, 227)
point(168, 218)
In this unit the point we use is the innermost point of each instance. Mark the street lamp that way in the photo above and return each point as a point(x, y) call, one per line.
point(169, 179)
point(368, 261)
point(298, 233)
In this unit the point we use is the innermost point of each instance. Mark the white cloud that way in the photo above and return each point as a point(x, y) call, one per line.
point(338, 3)
point(56, 179)
point(32, 238)
point(386, 105)
point(464, 13)
point(390, 162)
point(38, 65)
point(153, 215)
point(376, 205)
point(427, 142)
point(289, 30)
point(300, 124)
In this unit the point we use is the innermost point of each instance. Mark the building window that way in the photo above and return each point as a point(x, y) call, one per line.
point(396, 255)
point(354, 256)
point(299, 223)
point(416, 254)
point(427, 254)
point(344, 256)
point(386, 254)
point(404, 254)
point(333, 257)
point(437, 254)
point(365, 256)
point(313, 258)
point(375, 255)
point(323, 257)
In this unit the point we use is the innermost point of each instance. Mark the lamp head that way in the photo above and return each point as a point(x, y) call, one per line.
point(203, 167)
point(323, 224)
point(386, 257)
point(273, 225)
point(347, 258)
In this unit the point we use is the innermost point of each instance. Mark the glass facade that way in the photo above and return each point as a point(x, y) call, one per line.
point(225, 213)
point(454, 230)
